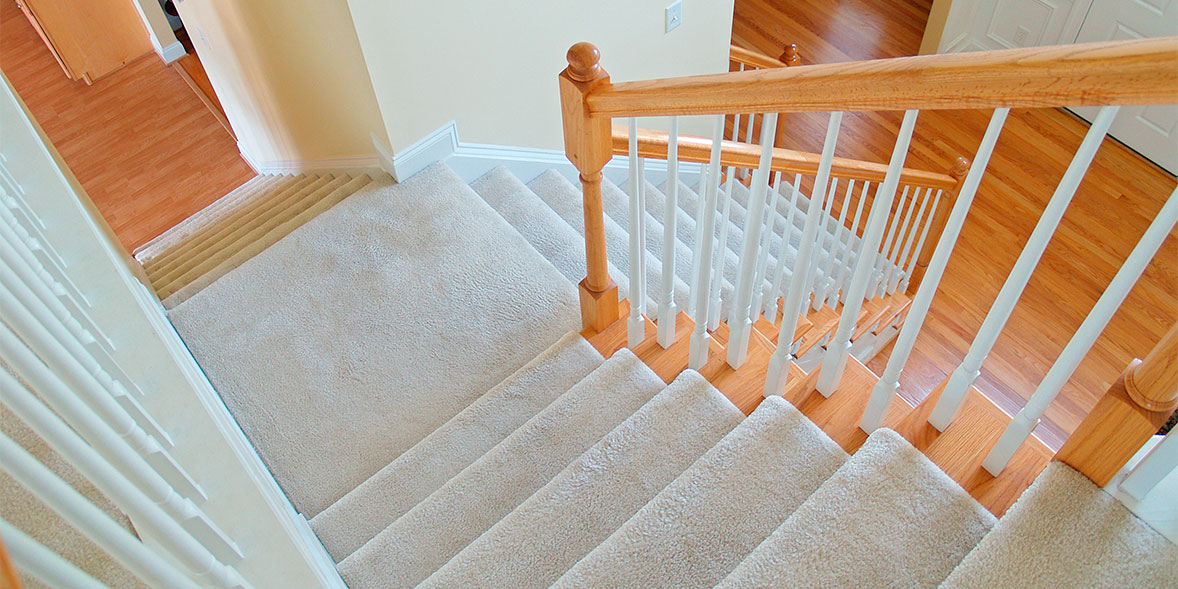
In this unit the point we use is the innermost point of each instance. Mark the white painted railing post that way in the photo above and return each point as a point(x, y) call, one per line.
point(907, 232)
point(836, 248)
point(964, 376)
point(775, 378)
point(845, 267)
point(88, 519)
point(779, 275)
point(35, 560)
point(738, 320)
point(1157, 465)
point(884, 255)
point(767, 233)
point(635, 323)
point(1073, 353)
point(928, 223)
point(885, 388)
point(896, 272)
point(819, 291)
point(704, 239)
point(835, 360)
point(693, 294)
point(717, 286)
point(667, 309)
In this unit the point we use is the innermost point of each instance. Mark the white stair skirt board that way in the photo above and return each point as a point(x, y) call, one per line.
point(22, 509)
point(369, 508)
point(888, 518)
point(582, 505)
point(423, 539)
point(1064, 531)
point(349, 340)
point(697, 529)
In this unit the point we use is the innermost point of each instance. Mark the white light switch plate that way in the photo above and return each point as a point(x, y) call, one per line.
point(674, 15)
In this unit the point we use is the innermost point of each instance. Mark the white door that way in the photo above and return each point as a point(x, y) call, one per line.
point(1151, 130)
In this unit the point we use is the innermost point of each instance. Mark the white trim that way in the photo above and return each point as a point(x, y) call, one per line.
point(472, 160)
point(384, 155)
point(171, 52)
point(360, 163)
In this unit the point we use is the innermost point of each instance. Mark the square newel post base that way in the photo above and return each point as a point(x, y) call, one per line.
point(599, 309)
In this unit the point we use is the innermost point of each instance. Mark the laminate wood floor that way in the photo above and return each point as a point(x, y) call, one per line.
point(143, 145)
point(1115, 203)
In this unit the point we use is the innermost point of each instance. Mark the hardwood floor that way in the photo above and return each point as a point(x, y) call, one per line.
point(143, 145)
point(1119, 196)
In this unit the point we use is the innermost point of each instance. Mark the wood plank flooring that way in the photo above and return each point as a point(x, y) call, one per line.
point(1119, 196)
point(146, 149)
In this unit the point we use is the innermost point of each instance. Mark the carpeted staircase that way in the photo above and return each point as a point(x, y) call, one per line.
point(406, 363)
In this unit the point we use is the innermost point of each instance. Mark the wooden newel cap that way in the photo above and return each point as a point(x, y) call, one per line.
point(960, 167)
point(790, 55)
point(584, 62)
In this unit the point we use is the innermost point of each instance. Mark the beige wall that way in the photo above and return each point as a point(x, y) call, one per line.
point(292, 79)
point(492, 65)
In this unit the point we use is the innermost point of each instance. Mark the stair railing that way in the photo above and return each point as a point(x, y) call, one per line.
point(1097, 74)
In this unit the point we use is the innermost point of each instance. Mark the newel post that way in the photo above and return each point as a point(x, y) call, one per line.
point(941, 216)
point(588, 145)
point(1132, 410)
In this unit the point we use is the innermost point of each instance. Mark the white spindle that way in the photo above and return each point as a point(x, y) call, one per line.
point(642, 253)
point(845, 267)
point(35, 560)
point(704, 239)
point(767, 232)
point(140, 560)
point(106, 441)
point(635, 324)
point(818, 291)
point(1026, 419)
point(965, 374)
point(836, 247)
point(779, 275)
point(885, 388)
point(885, 253)
point(700, 187)
point(895, 273)
point(1157, 465)
point(32, 237)
point(907, 229)
point(714, 301)
point(667, 310)
point(835, 361)
point(738, 320)
point(775, 379)
point(928, 223)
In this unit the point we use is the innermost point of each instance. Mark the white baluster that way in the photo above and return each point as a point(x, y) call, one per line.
point(835, 361)
point(714, 307)
point(106, 441)
point(738, 319)
point(1157, 465)
point(881, 260)
point(667, 310)
point(836, 247)
point(642, 252)
point(693, 295)
point(964, 376)
point(775, 379)
point(928, 223)
point(906, 229)
point(819, 291)
point(779, 276)
point(45, 256)
point(1026, 419)
point(761, 292)
point(895, 272)
point(844, 269)
point(885, 388)
point(704, 239)
point(35, 560)
point(635, 324)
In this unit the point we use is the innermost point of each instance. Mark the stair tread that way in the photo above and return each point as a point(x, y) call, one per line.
point(900, 521)
point(367, 509)
point(705, 521)
point(422, 540)
point(538, 541)
point(1064, 531)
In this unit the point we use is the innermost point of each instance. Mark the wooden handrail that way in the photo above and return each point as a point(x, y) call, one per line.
point(1128, 415)
point(653, 144)
point(752, 58)
point(1143, 71)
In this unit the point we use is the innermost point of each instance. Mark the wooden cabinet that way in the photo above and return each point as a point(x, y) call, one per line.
point(89, 39)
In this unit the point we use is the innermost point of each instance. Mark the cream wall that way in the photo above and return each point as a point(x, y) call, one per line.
point(292, 79)
point(492, 65)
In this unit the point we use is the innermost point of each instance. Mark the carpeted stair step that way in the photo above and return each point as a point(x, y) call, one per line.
point(697, 529)
point(209, 215)
point(1064, 531)
point(552, 237)
point(538, 541)
point(369, 508)
point(262, 236)
point(222, 225)
point(888, 518)
point(559, 194)
point(427, 536)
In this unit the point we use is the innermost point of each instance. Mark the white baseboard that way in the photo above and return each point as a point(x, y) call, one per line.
point(472, 160)
point(362, 163)
point(171, 52)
